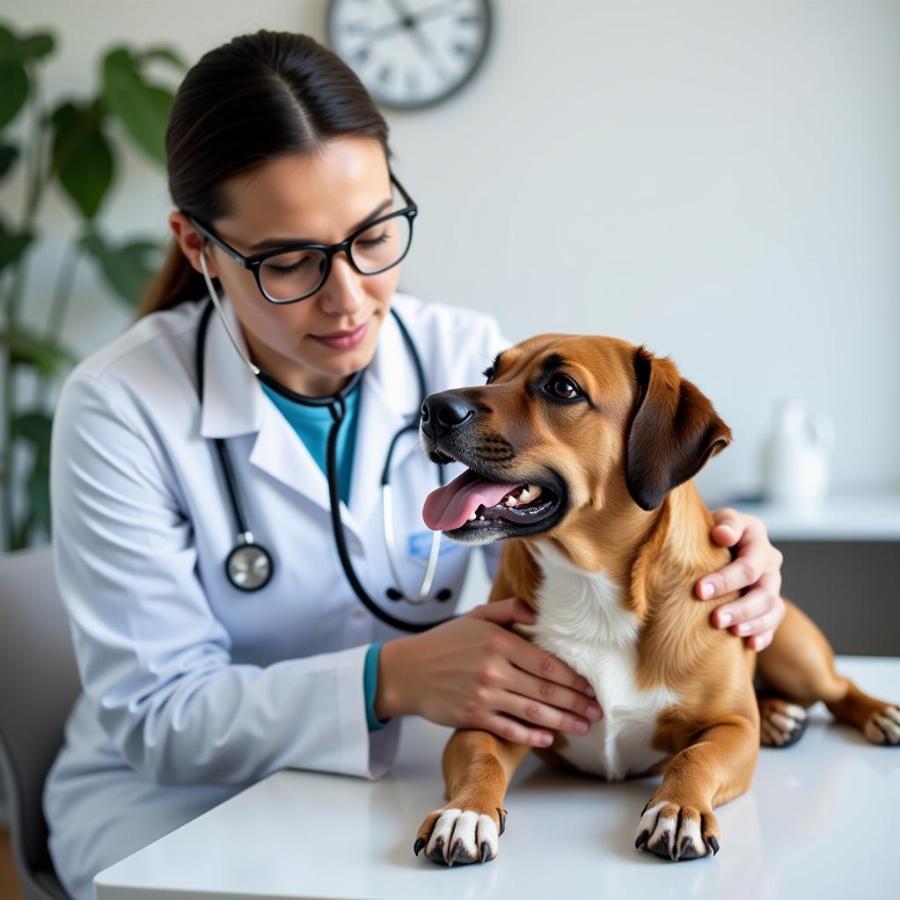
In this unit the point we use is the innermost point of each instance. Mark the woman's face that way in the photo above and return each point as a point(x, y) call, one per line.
point(320, 196)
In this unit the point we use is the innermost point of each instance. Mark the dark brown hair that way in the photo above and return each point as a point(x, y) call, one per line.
point(257, 97)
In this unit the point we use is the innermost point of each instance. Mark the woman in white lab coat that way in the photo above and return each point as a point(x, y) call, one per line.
point(193, 686)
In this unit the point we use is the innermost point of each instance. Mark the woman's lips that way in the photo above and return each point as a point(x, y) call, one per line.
point(346, 340)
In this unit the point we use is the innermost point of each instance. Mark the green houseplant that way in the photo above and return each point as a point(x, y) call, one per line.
point(71, 146)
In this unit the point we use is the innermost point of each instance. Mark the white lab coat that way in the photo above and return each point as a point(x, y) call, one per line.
point(193, 689)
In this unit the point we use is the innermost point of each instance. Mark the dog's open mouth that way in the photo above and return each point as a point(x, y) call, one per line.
point(473, 507)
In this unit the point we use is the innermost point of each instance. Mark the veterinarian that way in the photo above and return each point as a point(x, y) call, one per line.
point(244, 593)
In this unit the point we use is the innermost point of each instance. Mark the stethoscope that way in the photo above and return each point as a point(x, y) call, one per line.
point(249, 566)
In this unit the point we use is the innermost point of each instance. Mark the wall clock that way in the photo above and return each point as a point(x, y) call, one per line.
point(411, 54)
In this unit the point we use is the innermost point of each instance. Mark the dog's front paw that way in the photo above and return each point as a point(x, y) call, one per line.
point(677, 832)
point(883, 727)
point(780, 723)
point(455, 835)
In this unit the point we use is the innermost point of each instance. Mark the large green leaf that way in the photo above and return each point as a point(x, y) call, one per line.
point(35, 426)
point(39, 45)
point(30, 349)
point(82, 157)
point(38, 487)
point(166, 54)
point(141, 106)
point(35, 46)
point(8, 155)
point(14, 92)
point(127, 267)
point(12, 245)
point(9, 44)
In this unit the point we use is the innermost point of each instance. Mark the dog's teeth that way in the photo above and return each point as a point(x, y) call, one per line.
point(511, 501)
point(473, 517)
point(529, 493)
point(481, 518)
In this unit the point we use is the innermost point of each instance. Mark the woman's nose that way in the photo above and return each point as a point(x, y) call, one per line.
point(342, 293)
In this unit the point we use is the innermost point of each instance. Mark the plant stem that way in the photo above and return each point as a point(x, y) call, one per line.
point(62, 294)
point(11, 303)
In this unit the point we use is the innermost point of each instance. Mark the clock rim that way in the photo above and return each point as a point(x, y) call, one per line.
point(455, 88)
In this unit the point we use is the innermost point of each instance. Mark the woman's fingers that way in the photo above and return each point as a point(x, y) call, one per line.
point(511, 730)
point(755, 557)
point(762, 626)
point(760, 641)
point(534, 712)
point(762, 599)
point(554, 698)
point(505, 612)
point(739, 573)
point(525, 655)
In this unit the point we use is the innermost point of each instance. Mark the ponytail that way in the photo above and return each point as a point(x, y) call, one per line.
point(175, 282)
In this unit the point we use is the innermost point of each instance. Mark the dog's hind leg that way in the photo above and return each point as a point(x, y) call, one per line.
point(799, 666)
point(781, 723)
point(477, 767)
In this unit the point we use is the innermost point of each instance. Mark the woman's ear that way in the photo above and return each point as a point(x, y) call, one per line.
point(192, 243)
point(673, 431)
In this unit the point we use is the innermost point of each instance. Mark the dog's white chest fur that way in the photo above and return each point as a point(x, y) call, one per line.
point(581, 621)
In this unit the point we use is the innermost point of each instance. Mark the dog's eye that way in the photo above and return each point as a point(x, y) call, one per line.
point(488, 374)
point(563, 388)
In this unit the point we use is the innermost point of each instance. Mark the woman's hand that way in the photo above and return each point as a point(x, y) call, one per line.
point(757, 614)
point(473, 672)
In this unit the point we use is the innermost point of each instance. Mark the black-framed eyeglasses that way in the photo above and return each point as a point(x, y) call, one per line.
point(296, 271)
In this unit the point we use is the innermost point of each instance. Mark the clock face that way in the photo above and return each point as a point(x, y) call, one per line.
point(410, 53)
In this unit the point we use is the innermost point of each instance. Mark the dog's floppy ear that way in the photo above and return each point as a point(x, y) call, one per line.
point(674, 430)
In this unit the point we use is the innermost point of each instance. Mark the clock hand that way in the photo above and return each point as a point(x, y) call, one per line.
point(426, 47)
point(405, 17)
point(438, 9)
point(408, 20)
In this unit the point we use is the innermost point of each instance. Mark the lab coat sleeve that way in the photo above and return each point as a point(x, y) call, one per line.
point(153, 657)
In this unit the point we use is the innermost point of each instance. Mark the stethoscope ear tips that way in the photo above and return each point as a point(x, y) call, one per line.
point(444, 594)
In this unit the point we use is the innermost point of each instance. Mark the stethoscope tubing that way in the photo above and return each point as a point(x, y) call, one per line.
point(337, 407)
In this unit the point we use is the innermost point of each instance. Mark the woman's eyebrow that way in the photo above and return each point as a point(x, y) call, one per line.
point(276, 242)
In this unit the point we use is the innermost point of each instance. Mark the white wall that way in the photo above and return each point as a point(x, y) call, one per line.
point(719, 179)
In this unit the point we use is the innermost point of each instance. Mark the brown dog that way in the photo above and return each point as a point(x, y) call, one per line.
point(580, 451)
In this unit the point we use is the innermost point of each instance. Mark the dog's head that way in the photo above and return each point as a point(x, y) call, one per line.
point(563, 424)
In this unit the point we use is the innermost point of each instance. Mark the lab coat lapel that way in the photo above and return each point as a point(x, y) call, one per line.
point(234, 403)
point(390, 400)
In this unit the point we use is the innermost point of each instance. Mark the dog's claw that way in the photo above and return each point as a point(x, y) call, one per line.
point(419, 844)
point(485, 851)
point(438, 853)
point(714, 844)
point(641, 839)
point(502, 813)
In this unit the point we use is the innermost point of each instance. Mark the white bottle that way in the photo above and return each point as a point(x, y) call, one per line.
point(796, 456)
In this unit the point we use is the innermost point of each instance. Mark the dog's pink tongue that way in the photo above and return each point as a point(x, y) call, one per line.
point(450, 506)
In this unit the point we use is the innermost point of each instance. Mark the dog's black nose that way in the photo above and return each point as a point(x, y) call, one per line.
point(444, 412)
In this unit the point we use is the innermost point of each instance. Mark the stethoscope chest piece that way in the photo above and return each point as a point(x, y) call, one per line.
point(249, 566)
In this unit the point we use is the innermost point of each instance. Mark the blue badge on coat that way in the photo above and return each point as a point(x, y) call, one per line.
point(420, 545)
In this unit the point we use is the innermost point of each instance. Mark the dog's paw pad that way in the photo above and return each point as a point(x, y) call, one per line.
point(458, 836)
point(675, 833)
point(780, 723)
point(884, 727)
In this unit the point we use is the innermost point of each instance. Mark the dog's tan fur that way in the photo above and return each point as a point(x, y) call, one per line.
point(711, 737)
